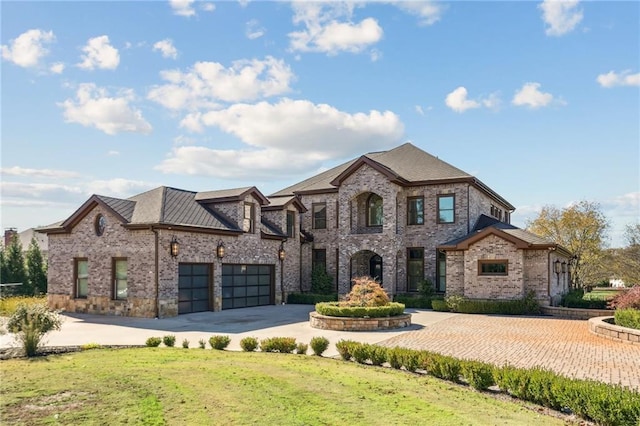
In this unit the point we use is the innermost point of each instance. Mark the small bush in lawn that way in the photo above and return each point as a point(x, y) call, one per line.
point(445, 367)
point(319, 345)
point(344, 348)
point(302, 348)
point(185, 344)
point(378, 355)
point(30, 322)
point(478, 374)
point(153, 342)
point(394, 357)
point(219, 342)
point(628, 317)
point(284, 345)
point(360, 353)
point(169, 340)
point(410, 359)
point(89, 346)
point(627, 299)
point(202, 344)
point(249, 344)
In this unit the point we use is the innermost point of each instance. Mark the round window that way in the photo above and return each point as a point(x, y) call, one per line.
point(100, 224)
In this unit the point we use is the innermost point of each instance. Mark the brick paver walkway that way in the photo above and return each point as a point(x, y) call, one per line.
point(564, 346)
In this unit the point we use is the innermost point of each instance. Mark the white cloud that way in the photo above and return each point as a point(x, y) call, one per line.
point(428, 12)
point(311, 126)
point(209, 82)
point(531, 96)
point(39, 173)
point(457, 100)
point(419, 110)
point(254, 30)
point(182, 7)
point(57, 68)
point(94, 107)
point(98, 53)
point(492, 101)
point(208, 6)
point(560, 16)
point(625, 78)
point(167, 48)
point(35, 191)
point(28, 48)
point(113, 153)
point(329, 29)
point(375, 55)
point(118, 187)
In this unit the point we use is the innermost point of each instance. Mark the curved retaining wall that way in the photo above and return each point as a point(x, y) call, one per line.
point(358, 324)
point(574, 313)
point(601, 327)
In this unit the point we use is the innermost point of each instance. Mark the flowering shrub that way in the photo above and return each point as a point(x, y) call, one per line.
point(627, 299)
point(366, 292)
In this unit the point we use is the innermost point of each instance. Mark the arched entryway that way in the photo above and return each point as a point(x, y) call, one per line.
point(366, 263)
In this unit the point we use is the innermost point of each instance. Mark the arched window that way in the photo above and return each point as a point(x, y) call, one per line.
point(374, 210)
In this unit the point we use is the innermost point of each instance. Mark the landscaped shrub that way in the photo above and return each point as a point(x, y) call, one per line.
point(439, 305)
point(30, 322)
point(344, 348)
point(302, 348)
point(394, 357)
point(445, 367)
point(185, 344)
point(319, 345)
point(574, 299)
point(153, 342)
point(321, 281)
point(411, 359)
point(378, 355)
point(169, 340)
point(478, 374)
point(360, 353)
point(219, 342)
point(202, 343)
point(366, 292)
point(628, 318)
point(527, 305)
point(8, 305)
point(626, 299)
point(334, 309)
point(89, 346)
point(249, 344)
point(413, 301)
point(278, 344)
point(310, 298)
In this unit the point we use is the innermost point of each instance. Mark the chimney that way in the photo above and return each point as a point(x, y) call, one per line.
point(9, 233)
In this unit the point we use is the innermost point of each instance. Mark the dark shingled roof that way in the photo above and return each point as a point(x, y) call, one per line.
point(406, 161)
point(123, 207)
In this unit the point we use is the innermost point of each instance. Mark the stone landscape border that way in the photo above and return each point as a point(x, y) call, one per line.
point(602, 327)
point(358, 324)
point(574, 313)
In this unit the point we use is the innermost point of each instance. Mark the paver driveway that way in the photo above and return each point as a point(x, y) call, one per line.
point(564, 346)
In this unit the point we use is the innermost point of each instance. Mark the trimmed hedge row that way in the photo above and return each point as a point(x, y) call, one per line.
point(527, 305)
point(600, 402)
point(574, 299)
point(310, 298)
point(413, 301)
point(333, 309)
point(629, 318)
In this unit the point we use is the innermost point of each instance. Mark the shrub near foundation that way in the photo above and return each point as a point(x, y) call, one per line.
point(629, 318)
point(334, 309)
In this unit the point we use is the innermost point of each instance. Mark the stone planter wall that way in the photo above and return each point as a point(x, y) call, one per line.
point(358, 324)
point(574, 313)
point(601, 327)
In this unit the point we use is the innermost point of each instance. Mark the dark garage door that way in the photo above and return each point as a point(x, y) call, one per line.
point(194, 287)
point(247, 285)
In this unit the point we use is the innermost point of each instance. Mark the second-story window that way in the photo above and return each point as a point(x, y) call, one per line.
point(247, 221)
point(319, 216)
point(446, 209)
point(374, 210)
point(415, 211)
point(291, 223)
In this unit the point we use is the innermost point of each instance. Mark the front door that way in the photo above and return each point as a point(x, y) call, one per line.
point(375, 268)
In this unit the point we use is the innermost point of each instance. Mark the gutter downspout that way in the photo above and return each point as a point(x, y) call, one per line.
point(468, 211)
point(157, 278)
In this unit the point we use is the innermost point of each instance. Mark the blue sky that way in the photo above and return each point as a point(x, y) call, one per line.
point(539, 100)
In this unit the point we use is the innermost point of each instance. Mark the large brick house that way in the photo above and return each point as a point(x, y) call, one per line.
point(401, 216)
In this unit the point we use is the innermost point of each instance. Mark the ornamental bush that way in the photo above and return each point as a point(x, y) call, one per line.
point(153, 342)
point(366, 292)
point(284, 345)
point(30, 322)
point(319, 345)
point(169, 340)
point(321, 281)
point(336, 309)
point(626, 299)
point(302, 348)
point(413, 301)
point(219, 342)
point(249, 344)
point(478, 374)
point(344, 348)
point(439, 305)
point(629, 318)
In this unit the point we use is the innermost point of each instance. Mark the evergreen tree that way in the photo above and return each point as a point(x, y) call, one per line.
point(36, 269)
point(3, 266)
point(14, 260)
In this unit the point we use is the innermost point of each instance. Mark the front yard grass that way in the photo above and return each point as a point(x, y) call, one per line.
point(158, 386)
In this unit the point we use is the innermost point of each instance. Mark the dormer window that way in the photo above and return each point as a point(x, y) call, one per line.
point(249, 215)
point(374, 210)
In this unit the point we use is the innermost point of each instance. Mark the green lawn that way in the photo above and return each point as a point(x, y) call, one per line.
point(176, 386)
point(600, 294)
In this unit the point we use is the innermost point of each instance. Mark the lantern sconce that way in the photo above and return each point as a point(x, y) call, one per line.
point(281, 252)
point(220, 250)
point(174, 247)
point(556, 267)
point(564, 267)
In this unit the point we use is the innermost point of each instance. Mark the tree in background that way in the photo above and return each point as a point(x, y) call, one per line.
point(14, 260)
point(581, 228)
point(36, 270)
point(626, 260)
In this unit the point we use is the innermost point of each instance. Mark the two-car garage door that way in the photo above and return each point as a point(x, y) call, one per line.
point(242, 286)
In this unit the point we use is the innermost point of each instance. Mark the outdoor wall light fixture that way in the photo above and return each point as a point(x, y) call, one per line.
point(220, 249)
point(564, 267)
point(281, 252)
point(556, 267)
point(174, 247)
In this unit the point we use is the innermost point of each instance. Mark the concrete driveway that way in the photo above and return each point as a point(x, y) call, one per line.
point(564, 346)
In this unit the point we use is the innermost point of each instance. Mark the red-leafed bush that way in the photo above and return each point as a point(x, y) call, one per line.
point(627, 299)
point(366, 292)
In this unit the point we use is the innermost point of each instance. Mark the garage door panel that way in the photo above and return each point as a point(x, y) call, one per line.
point(200, 282)
point(193, 287)
point(247, 285)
